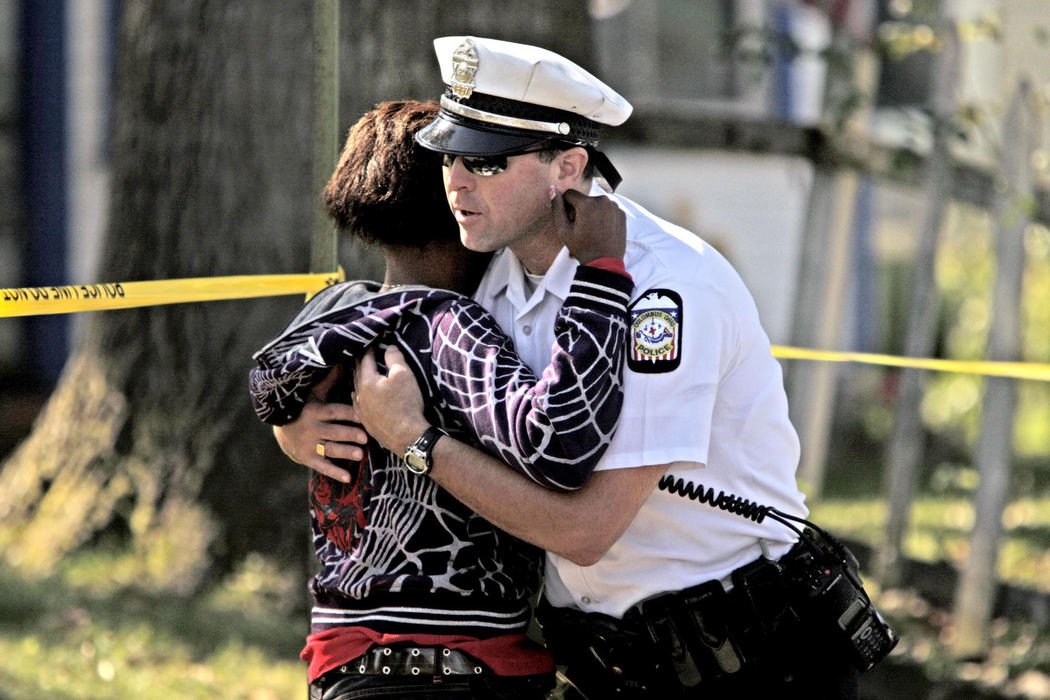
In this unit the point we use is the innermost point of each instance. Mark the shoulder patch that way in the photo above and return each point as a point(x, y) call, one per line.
point(656, 332)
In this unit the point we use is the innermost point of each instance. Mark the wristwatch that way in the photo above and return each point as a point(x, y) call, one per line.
point(418, 457)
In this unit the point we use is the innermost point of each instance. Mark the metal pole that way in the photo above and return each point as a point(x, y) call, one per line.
point(324, 249)
point(324, 255)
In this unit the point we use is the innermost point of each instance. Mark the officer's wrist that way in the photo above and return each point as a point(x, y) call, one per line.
point(408, 433)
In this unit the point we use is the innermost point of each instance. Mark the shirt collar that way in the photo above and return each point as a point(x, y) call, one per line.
point(503, 265)
point(509, 274)
point(560, 275)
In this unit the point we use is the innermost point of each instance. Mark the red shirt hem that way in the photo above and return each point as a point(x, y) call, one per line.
point(506, 655)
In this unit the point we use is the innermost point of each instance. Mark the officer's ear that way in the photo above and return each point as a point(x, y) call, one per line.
point(571, 164)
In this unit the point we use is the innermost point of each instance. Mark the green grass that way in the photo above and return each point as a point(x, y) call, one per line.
point(1017, 662)
point(60, 640)
point(89, 632)
point(940, 529)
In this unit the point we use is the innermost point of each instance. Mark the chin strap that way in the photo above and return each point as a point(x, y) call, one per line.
point(604, 166)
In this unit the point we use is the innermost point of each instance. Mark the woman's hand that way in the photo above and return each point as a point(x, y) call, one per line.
point(590, 227)
point(390, 407)
point(323, 423)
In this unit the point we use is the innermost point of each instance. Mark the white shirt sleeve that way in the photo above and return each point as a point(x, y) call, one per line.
point(667, 415)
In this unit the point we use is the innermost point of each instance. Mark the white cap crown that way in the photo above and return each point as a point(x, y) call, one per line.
point(531, 74)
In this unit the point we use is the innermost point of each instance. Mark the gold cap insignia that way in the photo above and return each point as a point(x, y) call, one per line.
point(464, 67)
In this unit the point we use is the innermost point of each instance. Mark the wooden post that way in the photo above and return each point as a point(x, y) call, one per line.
point(822, 292)
point(324, 255)
point(975, 596)
point(823, 281)
point(906, 447)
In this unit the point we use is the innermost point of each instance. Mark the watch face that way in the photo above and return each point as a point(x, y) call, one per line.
point(417, 456)
point(416, 461)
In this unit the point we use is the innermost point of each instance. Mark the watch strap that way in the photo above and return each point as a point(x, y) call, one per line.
point(418, 456)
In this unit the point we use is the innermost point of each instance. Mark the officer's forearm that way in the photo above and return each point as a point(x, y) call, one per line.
point(580, 525)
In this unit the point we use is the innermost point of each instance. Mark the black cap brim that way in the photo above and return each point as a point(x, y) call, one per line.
point(455, 136)
point(450, 134)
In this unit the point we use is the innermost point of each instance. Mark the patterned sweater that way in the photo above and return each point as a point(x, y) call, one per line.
point(398, 553)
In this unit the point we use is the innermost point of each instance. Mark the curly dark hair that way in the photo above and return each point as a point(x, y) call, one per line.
point(385, 188)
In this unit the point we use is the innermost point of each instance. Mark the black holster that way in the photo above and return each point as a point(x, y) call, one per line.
point(604, 656)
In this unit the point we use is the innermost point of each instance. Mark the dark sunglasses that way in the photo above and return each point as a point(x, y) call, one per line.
point(487, 166)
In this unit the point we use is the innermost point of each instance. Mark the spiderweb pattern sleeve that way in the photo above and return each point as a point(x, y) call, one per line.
point(329, 331)
point(553, 429)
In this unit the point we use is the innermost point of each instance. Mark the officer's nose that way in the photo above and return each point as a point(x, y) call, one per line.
point(456, 174)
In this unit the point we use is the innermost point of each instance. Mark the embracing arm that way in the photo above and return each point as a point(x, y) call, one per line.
point(553, 428)
point(580, 526)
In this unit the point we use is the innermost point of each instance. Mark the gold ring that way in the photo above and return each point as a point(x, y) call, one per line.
point(320, 448)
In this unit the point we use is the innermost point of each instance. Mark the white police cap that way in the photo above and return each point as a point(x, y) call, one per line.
point(504, 97)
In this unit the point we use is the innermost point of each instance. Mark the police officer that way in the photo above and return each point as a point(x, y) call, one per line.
point(650, 591)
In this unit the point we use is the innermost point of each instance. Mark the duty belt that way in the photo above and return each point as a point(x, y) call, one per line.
point(699, 632)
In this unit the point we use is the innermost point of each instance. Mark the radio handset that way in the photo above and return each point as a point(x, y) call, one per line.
point(823, 575)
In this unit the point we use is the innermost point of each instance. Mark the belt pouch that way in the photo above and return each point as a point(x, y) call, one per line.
point(573, 637)
point(666, 622)
point(709, 614)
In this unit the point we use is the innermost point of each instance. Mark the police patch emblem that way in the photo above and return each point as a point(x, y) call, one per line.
point(656, 332)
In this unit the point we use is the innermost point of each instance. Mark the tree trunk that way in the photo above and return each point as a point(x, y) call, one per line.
point(149, 434)
point(150, 430)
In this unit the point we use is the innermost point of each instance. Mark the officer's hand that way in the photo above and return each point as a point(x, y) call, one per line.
point(324, 423)
point(389, 406)
point(590, 227)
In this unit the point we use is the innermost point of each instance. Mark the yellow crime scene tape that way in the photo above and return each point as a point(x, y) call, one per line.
point(71, 298)
point(64, 299)
point(1016, 370)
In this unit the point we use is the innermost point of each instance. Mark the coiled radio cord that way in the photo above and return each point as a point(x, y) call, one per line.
point(731, 503)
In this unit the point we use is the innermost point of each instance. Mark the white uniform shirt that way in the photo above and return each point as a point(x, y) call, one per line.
point(723, 406)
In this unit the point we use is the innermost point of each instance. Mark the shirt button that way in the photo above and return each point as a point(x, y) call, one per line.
point(585, 600)
point(527, 330)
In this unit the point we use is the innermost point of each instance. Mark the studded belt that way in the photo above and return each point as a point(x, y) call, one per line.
point(413, 661)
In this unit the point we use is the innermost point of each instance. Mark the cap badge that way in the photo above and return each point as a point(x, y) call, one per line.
point(464, 68)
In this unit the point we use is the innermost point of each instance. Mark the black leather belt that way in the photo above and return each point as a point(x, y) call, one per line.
point(412, 661)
